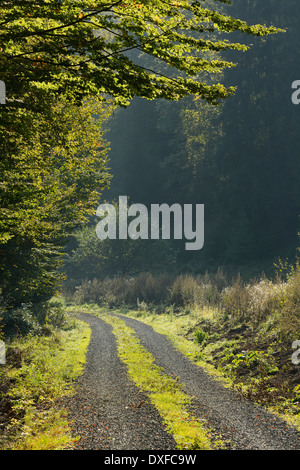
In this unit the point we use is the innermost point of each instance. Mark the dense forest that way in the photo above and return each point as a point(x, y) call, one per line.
point(240, 159)
point(186, 103)
point(117, 98)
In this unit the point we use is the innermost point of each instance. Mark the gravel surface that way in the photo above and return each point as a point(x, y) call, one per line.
point(108, 411)
point(248, 427)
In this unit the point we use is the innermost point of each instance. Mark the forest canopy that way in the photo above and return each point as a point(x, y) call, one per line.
point(240, 159)
point(66, 65)
point(80, 48)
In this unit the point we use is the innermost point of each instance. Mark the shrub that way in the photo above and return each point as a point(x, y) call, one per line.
point(113, 291)
point(207, 293)
point(265, 298)
point(200, 336)
point(89, 292)
point(161, 289)
point(149, 288)
point(184, 291)
point(200, 291)
point(56, 313)
point(235, 300)
point(119, 290)
point(253, 302)
point(20, 320)
point(252, 360)
point(220, 280)
point(289, 319)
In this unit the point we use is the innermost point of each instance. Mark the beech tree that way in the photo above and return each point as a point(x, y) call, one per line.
point(57, 58)
point(79, 48)
point(50, 185)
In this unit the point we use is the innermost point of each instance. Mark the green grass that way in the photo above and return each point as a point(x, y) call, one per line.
point(176, 328)
point(45, 373)
point(211, 356)
point(165, 392)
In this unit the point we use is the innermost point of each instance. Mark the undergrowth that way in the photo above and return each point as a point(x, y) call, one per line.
point(253, 301)
point(40, 370)
point(254, 361)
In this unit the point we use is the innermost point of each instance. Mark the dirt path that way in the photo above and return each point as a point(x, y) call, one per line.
point(110, 413)
point(246, 425)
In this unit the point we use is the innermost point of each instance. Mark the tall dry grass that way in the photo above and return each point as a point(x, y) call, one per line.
point(237, 301)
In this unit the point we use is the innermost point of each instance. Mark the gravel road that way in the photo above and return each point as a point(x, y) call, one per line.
point(248, 427)
point(110, 413)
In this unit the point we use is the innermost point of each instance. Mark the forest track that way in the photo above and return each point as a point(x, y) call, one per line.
point(110, 413)
point(246, 425)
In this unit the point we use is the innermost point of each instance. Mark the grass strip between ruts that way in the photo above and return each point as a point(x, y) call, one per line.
point(164, 391)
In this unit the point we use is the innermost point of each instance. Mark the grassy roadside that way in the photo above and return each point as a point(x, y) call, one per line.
point(40, 371)
point(254, 362)
point(164, 391)
point(181, 329)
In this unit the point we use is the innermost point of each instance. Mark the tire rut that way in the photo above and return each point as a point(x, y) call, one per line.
point(246, 425)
